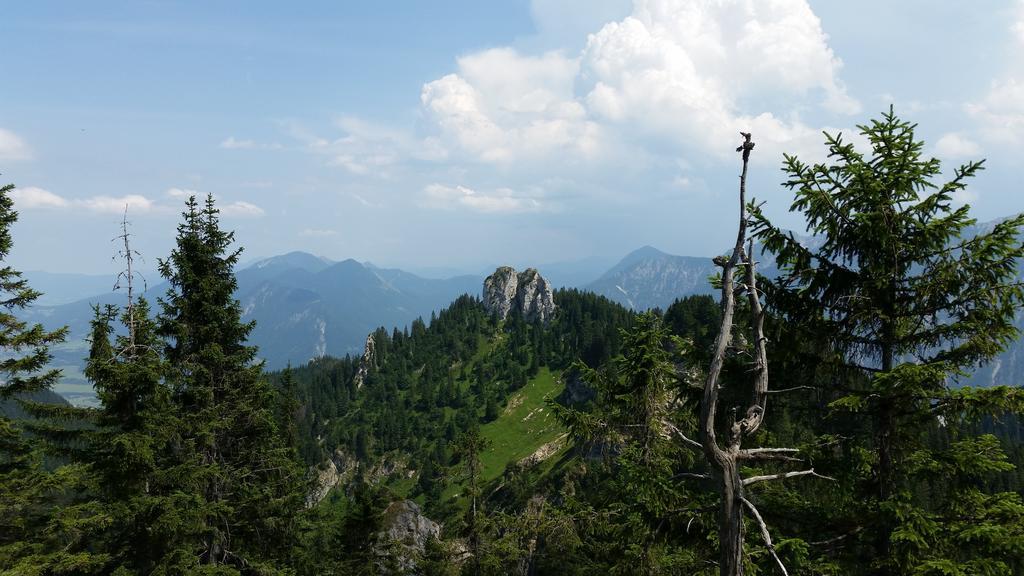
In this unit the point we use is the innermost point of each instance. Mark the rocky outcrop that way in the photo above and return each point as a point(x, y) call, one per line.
point(534, 298)
point(326, 479)
point(405, 534)
point(500, 291)
point(544, 452)
point(526, 292)
point(342, 467)
point(339, 469)
point(368, 360)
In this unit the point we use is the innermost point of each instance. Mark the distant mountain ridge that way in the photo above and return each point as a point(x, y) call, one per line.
point(304, 306)
point(307, 306)
point(649, 278)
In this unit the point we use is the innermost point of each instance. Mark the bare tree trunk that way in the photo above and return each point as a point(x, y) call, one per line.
point(725, 458)
point(730, 528)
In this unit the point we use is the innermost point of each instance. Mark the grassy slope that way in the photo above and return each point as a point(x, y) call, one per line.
point(525, 425)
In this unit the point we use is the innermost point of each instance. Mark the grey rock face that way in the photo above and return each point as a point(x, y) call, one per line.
point(500, 291)
point(534, 297)
point(369, 359)
point(407, 530)
point(326, 479)
point(527, 292)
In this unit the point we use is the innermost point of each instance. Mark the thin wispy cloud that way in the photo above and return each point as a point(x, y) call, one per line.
point(317, 233)
point(502, 200)
point(232, 143)
point(33, 197)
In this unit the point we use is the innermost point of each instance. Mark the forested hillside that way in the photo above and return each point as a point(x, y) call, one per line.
point(804, 419)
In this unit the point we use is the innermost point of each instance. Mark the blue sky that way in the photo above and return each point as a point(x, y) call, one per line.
point(468, 134)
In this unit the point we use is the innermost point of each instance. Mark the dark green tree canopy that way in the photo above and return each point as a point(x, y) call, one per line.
point(905, 295)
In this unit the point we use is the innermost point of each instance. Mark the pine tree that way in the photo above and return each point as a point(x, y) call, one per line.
point(640, 509)
point(27, 537)
point(910, 300)
point(243, 482)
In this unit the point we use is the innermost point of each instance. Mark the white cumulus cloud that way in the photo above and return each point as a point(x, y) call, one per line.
point(12, 147)
point(34, 197)
point(134, 203)
point(693, 69)
point(183, 193)
point(689, 72)
point(1000, 114)
point(503, 106)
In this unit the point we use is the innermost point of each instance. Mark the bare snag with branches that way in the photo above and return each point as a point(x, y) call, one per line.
point(726, 455)
point(128, 276)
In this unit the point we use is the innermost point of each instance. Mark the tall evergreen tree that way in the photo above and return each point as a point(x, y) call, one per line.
point(468, 449)
point(244, 483)
point(910, 300)
point(26, 536)
point(126, 443)
point(638, 513)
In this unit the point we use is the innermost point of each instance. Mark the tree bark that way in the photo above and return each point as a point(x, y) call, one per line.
point(730, 528)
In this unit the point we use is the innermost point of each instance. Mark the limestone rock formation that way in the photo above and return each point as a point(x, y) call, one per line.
point(526, 292)
point(326, 479)
point(369, 359)
point(405, 533)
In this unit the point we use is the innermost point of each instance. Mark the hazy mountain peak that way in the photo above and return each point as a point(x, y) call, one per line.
point(296, 259)
point(649, 278)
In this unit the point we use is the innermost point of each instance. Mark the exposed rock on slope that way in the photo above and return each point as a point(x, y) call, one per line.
point(369, 359)
point(527, 292)
point(406, 527)
point(326, 479)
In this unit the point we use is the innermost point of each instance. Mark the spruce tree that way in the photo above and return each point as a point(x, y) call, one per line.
point(127, 444)
point(910, 300)
point(27, 538)
point(243, 483)
point(638, 512)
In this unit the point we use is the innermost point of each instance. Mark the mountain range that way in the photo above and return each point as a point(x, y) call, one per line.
point(306, 306)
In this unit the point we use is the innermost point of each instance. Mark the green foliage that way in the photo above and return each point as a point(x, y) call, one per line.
point(907, 302)
point(27, 491)
point(636, 478)
point(242, 485)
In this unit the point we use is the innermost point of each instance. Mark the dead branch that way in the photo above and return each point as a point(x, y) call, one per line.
point(768, 454)
point(686, 440)
point(793, 389)
point(765, 535)
point(837, 539)
point(783, 476)
point(692, 475)
point(759, 399)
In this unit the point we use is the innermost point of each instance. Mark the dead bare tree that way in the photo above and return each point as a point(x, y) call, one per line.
point(128, 277)
point(725, 457)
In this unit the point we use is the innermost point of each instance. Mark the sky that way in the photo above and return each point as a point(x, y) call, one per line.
point(466, 134)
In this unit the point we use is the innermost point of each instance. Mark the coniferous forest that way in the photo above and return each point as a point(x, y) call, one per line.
point(811, 422)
